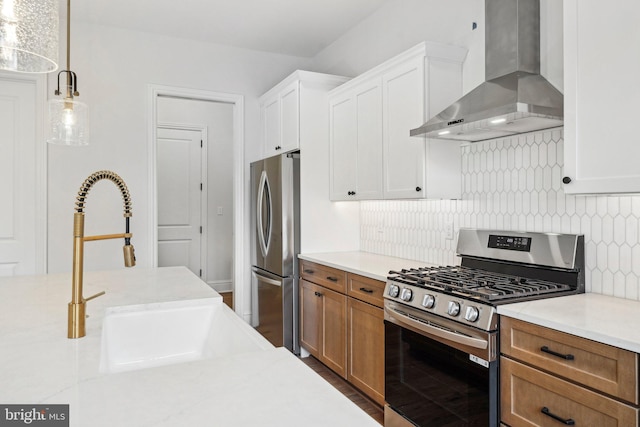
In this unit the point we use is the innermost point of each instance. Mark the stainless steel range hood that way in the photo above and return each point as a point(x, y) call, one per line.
point(515, 98)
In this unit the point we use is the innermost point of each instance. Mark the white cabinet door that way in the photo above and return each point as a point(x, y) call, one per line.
point(404, 156)
point(356, 143)
point(290, 117)
point(601, 69)
point(271, 126)
point(281, 121)
point(343, 148)
point(368, 100)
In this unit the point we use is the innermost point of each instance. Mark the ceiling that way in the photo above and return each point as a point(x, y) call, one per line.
point(291, 27)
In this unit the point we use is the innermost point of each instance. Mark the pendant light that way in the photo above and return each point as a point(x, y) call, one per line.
point(29, 35)
point(68, 118)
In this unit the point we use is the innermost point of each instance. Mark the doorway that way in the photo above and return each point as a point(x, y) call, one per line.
point(232, 156)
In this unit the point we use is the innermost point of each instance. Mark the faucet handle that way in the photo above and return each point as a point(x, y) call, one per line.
point(99, 294)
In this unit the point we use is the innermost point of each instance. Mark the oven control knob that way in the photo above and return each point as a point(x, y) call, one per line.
point(471, 314)
point(429, 301)
point(453, 309)
point(406, 294)
point(394, 291)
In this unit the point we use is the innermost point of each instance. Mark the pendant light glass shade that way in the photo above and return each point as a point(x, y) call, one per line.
point(69, 122)
point(29, 35)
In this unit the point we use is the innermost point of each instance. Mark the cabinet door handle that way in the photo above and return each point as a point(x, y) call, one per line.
point(333, 279)
point(546, 349)
point(308, 271)
point(369, 291)
point(548, 413)
point(278, 147)
point(566, 180)
point(318, 294)
point(418, 189)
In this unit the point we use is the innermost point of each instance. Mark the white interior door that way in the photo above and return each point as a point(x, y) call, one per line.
point(18, 173)
point(180, 189)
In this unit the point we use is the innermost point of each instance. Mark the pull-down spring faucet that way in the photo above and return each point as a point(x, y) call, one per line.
point(76, 318)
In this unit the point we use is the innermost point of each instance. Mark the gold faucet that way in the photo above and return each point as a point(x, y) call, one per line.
point(76, 319)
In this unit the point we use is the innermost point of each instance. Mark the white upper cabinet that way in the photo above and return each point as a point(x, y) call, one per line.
point(404, 156)
point(355, 122)
point(372, 154)
point(602, 95)
point(281, 109)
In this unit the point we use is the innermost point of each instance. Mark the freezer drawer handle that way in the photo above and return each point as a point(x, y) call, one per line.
point(546, 349)
point(333, 279)
point(569, 421)
point(369, 291)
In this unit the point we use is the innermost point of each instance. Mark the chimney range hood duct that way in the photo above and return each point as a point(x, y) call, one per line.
point(515, 98)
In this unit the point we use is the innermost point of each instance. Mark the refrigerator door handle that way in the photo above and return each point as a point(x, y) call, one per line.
point(264, 190)
point(267, 279)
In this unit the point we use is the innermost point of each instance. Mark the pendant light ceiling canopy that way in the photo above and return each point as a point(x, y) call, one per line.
point(29, 35)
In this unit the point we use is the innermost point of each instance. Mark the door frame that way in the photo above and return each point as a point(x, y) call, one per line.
point(41, 164)
point(240, 216)
point(204, 164)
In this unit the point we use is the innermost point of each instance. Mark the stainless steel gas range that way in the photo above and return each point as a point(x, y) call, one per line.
point(441, 323)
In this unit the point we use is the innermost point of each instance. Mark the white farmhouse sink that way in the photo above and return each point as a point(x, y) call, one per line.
point(139, 337)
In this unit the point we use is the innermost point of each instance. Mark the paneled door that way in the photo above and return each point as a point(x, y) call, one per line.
point(21, 235)
point(180, 193)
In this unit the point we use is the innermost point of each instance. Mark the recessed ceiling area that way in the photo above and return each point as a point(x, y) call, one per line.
point(291, 27)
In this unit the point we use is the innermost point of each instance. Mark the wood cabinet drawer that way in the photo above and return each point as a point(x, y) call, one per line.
point(599, 366)
point(365, 289)
point(328, 277)
point(527, 393)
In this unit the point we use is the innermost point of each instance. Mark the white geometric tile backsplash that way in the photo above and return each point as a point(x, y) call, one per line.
point(514, 183)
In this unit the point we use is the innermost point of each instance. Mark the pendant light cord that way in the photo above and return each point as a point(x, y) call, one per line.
point(69, 92)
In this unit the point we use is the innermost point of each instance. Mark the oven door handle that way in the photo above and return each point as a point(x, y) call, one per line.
point(403, 319)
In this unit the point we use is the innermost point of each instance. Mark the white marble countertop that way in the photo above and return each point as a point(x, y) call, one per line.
point(39, 365)
point(365, 264)
point(610, 320)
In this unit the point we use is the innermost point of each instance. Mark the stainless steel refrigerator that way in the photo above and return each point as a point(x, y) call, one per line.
point(275, 207)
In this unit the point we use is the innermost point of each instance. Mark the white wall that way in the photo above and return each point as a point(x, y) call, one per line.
point(114, 67)
point(217, 117)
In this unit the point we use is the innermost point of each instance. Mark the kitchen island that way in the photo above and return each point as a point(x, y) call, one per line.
point(39, 365)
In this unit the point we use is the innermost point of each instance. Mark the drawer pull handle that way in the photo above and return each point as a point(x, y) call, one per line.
point(369, 291)
point(546, 349)
point(308, 271)
point(548, 413)
point(318, 294)
point(333, 279)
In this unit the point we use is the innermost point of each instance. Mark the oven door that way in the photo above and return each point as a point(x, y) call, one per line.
point(439, 372)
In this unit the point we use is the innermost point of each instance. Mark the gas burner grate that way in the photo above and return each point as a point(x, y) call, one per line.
point(480, 284)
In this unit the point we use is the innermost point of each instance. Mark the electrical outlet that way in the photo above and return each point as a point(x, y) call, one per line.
point(448, 230)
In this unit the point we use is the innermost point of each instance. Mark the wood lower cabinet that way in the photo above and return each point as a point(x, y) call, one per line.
point(365, 332)
point(550, 378)
point(323, 325)
point(342, 325)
